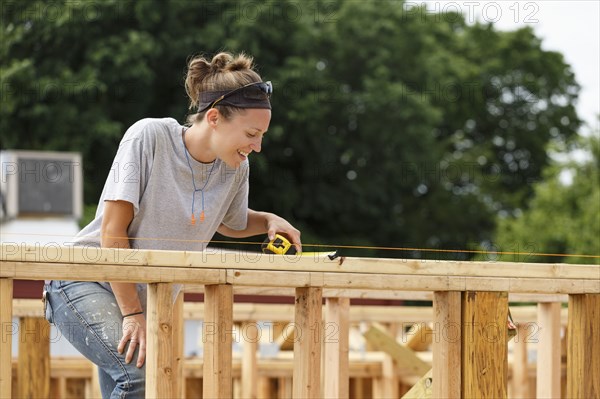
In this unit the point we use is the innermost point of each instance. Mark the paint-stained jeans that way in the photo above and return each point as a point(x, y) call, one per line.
point(87, 315)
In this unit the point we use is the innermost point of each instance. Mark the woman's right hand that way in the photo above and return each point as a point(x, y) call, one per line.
point(134, 332)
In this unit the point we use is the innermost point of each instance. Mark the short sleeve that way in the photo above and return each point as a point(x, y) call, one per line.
point(236, 217)
point(130, 170)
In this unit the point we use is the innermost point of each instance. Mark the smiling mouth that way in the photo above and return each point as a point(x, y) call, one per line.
point(242, 153)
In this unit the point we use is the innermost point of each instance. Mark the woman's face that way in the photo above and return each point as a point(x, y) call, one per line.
point(242, 134)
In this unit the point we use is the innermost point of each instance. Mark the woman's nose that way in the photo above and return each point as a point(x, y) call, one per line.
point(256, 145)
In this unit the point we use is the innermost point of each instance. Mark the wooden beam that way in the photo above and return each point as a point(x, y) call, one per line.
point(406, 360)
point(285, 335)
point(178, 343)
point(307, 348)
point(447, 344)
point(423, 388)
point(218, 259)
point(414, 282)
point(6, 336)
point(337, 329)
point(484, 348)
point(159, 349)
point(251, 334)
point(285, 313)
point(548, 351)
point(583, 362)
point(358, 293)
point(121, 273)
point(419, 337)
point(218, 338)
point(335, 279)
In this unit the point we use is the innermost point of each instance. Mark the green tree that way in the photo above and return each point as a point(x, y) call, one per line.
point(563, 216)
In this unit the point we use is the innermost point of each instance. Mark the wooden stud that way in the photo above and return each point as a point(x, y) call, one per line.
point(336, 381)
point(95, 384)
point(583, 362)
point(307, 348)
point(61, 389)
point(250, 333)
point(548, 351)
point(389, 368)
point(237, 388)
point(484, 344)
point(159, 349)
point(217, 337)
point(447, 344)
point(193, 388)
point(264, 388)
point(285, 387)
point(178, 342)
point(520, 365)
point(34, 358)
point(6, 334)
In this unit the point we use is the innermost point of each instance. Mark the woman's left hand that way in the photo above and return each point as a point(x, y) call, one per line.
point(278, 225)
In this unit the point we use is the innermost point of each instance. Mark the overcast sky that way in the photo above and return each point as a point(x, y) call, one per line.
point(571, 27)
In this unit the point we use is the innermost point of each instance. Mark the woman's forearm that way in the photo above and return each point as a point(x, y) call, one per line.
point(118, 215)
point(257, 224)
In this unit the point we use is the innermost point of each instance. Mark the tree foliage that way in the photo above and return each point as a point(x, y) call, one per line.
point(391, 126)
point(563, 216)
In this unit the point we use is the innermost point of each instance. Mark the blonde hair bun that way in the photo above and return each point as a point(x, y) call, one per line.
point(223, 72)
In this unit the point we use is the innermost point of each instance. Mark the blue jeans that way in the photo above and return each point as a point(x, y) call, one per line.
point(87, 315)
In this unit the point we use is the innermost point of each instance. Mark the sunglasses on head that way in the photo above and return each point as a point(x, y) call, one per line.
point(251, 91)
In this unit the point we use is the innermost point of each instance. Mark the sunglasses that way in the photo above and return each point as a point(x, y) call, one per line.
point(252, 91)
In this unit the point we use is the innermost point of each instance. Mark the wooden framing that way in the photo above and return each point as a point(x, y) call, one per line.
point(548, 357)
point(583, 362)
point(307, 345)
point(34, 358)
point(285, 313)
point(484, 351)
point(250, 337)
point(483, 287)
point(6, 333)
point(218, 337)
point(159, 348)
point(178, 342)
point(520, 369)
point(133, 258)
point(447, 345)
point(336, 330)
point(404, 357)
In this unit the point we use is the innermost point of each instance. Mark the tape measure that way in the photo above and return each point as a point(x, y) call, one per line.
point(279, 245)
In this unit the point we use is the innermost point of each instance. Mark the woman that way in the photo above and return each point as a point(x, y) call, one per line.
point(170, 187)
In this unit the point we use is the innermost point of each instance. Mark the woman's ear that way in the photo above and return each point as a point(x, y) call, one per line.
point(212, 117)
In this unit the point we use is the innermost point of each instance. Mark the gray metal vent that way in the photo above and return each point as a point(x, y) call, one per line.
point(37, 183)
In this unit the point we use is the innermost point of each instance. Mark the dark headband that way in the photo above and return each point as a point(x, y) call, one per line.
point(253, 95)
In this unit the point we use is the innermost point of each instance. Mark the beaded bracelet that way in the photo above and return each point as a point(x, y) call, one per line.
point(132, 314)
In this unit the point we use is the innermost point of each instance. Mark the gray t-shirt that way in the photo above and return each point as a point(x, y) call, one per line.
point(151, 171)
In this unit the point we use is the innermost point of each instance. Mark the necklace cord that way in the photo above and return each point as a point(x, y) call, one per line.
point(187, 157)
